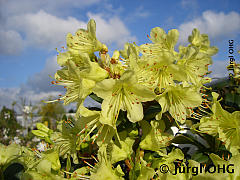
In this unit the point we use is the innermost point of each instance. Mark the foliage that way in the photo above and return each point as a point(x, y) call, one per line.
point(8, 123)
point(51, 112)
point(144, 91)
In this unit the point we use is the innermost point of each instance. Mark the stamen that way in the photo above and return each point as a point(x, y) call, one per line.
point(94, 158)
point(88, 164)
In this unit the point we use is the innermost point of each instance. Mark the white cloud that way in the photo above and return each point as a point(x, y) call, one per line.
point(37, 88)
point(44, 24)
point(141, 12)
point(216, 25)
point(59, 7)
point(189, 3)
point(41, 81)
point(111, 30)
point(8, 95)
point(37, 97)
point(219, 69)
point(44, 30)
point(10, 42)
point(89, 102)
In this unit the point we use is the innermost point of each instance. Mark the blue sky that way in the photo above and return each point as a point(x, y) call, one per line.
point(30, 32)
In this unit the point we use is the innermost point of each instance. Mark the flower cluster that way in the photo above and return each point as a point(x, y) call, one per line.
point(143, 91)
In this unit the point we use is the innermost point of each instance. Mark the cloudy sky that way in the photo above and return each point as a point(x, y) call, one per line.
point(30, 32)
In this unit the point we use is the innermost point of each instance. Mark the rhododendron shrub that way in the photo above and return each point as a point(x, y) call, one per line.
point(143, 90)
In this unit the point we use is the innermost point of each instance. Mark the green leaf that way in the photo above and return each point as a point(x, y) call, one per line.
point(53, 157)
point(9, 153)
point(145, 172)
point(68, 166)
point(119, 171)
point(151, 112)
point(96, 98)
point(154, 137)
point(121, 153)
point(40, 133)
point(182, 139)
point(200, 157)
point(42, 127)
point(44, 166)
point(80, 171)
